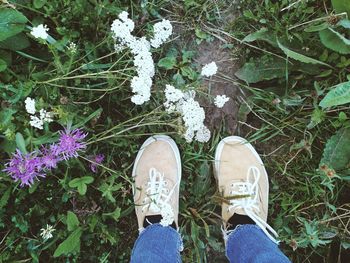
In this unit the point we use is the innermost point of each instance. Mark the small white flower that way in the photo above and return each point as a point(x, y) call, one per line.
point(209, 69)
point(46, 233)
point(191, 112)
point(36, 122)
point(220, 100)
point(40, 31)
point(162, 31)
point(189, 135)
point(203, 134)
point(45, 116)
point(72, 47)
point(30, 105)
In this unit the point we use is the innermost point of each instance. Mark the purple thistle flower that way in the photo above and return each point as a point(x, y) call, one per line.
point(49, 158)
point(70, 143)
point(98, 159)
point(24, 167)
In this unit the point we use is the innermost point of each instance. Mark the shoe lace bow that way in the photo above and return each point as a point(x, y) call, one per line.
point(158, 196)
point(246, 196)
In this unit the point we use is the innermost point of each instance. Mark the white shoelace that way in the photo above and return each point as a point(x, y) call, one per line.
point(249, 203)
point(158, 197)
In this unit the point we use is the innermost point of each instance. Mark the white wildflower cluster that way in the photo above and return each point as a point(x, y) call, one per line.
point(46, 233)
point(40, 31)
point(37, 121)
point(192, 113)
point(220, 100)
point(209, 69)
point(140, 48)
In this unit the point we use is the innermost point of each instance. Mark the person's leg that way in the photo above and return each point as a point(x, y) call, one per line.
point(249, 244)
point(157, 175)
point(243, 182)
point(157, 244)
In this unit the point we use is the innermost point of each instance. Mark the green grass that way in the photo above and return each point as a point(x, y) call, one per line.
point(279, 114)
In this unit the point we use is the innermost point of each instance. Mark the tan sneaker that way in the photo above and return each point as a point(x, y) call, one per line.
point(242, 180)
point(157, 175)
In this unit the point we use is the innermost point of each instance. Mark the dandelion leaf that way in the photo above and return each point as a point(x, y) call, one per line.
point(339, 94)
point(70, 245)
point(300, 57)
point(335, 41)
point(72, 221)
point(336, 153)
point(12, 22)
point(264, 68)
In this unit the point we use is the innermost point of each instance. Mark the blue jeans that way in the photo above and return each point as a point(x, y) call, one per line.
point(246, 244)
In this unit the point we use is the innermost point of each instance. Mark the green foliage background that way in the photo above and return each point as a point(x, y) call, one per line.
point(295, 73)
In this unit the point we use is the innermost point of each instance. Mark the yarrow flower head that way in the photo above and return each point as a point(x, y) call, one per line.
point(140, 48)
point(46, 233)
point(209, 69)
point(30, 105)
point(40, 31)
point(162, 31)
point(191, 112)
point(37, 121)
point(70, 143)
point(24, 167)
point(220, 100)
point(98, 159)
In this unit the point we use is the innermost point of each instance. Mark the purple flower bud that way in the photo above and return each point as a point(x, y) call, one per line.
point(97, 159)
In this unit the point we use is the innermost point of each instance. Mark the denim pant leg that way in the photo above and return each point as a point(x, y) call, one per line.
point(249, 244)
point(157, 244)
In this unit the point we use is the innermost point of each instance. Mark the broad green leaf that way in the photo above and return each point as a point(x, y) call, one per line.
point(71, 244)
point(108, 189)
point(3, 65)
point(341, 6)
point(39, 3)
point(336, 153)
point(262, 68)
point(80, 184)
point(167, 62)
point(12, 22)
point(335, 41)
point(72, 221)
point(344, 23)
point(21, 144)
point(339, 94)
point(188, 72)
point(17, 42)
point(300, 57)
point(115, 214)
point(262, 34)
